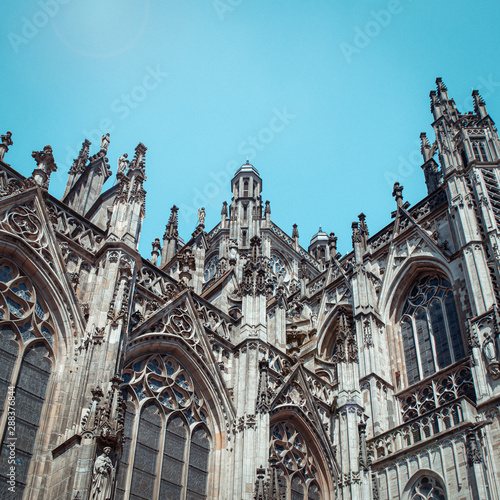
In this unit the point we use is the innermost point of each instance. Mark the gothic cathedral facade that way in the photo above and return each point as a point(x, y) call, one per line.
point(238, 364)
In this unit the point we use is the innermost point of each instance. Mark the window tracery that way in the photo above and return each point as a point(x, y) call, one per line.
point(427, 488)
point(26, 331)
point(430, 328)
point(295, 460)
point(211, 268)
point(172, 418)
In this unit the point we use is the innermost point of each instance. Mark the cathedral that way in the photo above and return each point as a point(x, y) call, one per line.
point(239, 365)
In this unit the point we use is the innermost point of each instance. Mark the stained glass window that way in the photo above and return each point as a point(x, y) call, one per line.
point(172, 420)
point(296, 460)
point(26, 328)
point(427, 488)
point(430, 328)
point(146, 453)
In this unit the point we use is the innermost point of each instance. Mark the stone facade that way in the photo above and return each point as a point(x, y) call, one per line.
point(239, 365)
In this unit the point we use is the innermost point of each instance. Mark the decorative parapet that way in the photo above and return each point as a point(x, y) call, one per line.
point(289, 241)
point(82, 233)
point(422, 430)
point(453, 383)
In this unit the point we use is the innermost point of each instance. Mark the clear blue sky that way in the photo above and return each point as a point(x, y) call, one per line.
point(328, 98)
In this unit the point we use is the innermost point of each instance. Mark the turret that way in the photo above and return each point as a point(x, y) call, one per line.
point(319, 246)
point(246, 205)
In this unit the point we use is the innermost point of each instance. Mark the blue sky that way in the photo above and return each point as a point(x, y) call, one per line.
point(327, 98)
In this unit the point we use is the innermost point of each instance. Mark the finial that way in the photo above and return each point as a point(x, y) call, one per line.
point(247, 163)
point(479, 104)
point(295, 232)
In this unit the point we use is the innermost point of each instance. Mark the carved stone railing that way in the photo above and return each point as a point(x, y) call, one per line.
point(453, 383)
point(214, 321)
point(156, 281)
point(422, 429)
point(419, 211)
point(83, 233)
point(213, 233)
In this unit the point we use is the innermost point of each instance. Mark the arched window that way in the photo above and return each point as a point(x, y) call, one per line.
point(211, 268)
point(430, 328)
point(245, 187)
point(26, 334)
point(295, 459)
point(172, 444)
point(426, 487)
point(479, 148)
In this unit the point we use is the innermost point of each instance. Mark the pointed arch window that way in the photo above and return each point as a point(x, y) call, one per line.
point(480, 149)
point(26, 338)
point(430, 328)
point(245, 188)
point(426, 487)
point(170, 455)
point(295, 462)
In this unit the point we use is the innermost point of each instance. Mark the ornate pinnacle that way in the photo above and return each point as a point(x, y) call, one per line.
point(82, 158)
point(295, 232)
point(45, 166)
point(139, 158)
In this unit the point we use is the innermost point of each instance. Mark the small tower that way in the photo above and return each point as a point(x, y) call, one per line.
point(319, 246)
point(246, 205)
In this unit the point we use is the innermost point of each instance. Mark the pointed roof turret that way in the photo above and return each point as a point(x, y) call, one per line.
point(479, 104)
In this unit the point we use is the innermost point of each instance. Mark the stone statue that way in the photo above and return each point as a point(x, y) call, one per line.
point(4, 145)
point(201, 216)
point(105, 143)
point(490, 353)
point(103, 476)
point(122, 165)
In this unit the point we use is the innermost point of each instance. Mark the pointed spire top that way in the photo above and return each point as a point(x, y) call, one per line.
point(441, 87)
point(479, 104)
point(82, 158)
point(295, 232)
point(247, 163)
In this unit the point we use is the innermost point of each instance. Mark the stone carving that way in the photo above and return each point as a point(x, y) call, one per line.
point(6, 142)
point(104, 144)
point(265, 393)
point(103, 476)
point(45, 166)
point(254, 271)
point(123, 164)
point(104, 420)
point(490, 353)
point(346, 350)
point(201, 216)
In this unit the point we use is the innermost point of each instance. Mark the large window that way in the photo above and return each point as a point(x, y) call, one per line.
point(296, 463)
point(430, 328)
point(427, 487)
point(26, 334)
point(169, 457)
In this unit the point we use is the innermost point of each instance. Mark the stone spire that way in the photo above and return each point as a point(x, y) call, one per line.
point(479, 104)
point(171, 237)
